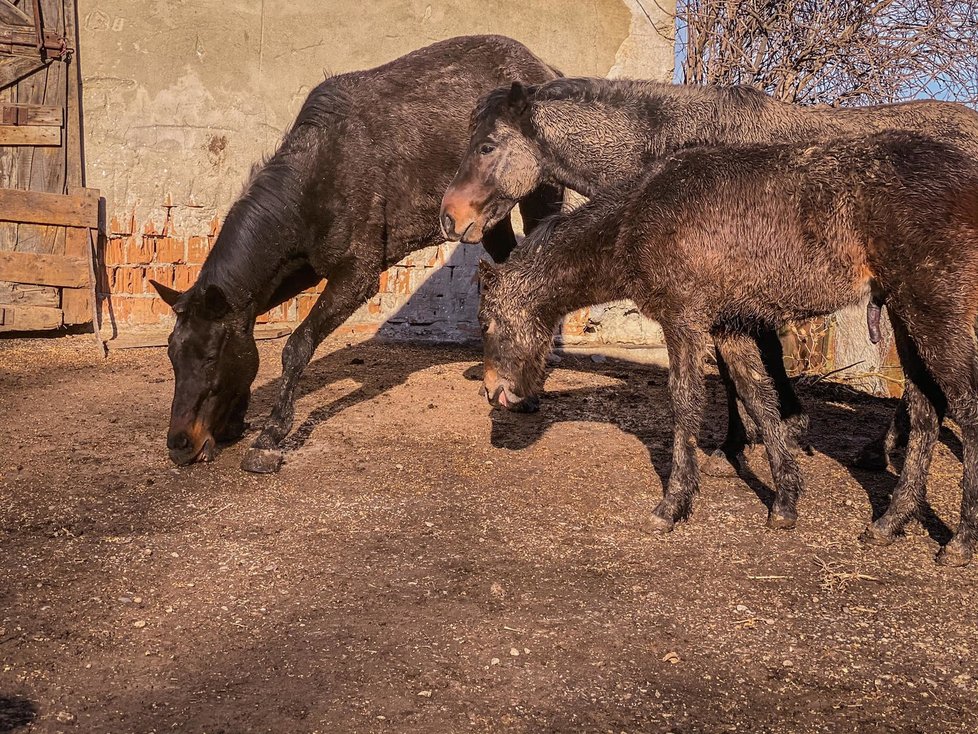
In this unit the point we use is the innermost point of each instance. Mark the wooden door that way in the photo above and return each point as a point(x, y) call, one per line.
point(47, 220)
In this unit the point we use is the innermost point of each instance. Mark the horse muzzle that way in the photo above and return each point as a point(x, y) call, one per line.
point(192, 444)
point(502, 397)
point(461, 219)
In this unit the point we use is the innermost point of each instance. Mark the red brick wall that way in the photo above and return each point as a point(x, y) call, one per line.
point(129, 302)
point(130, 260)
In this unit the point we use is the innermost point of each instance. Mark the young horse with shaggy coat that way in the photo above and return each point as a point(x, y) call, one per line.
point(722, 242)
point(590, 134)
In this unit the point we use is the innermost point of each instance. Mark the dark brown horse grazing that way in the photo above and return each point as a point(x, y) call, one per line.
point(589, 134)
point(722, 241)
point(353, 188)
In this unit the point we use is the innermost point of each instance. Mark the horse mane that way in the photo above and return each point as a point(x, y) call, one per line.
point(491, 104)
point(323, 105)
point(539, 238)
point(619, 91)
point(262, 221)
point(635, 93)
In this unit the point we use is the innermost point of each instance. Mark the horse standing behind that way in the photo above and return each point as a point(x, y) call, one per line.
point(724, 241)
point(354, 187)
point(591, 134)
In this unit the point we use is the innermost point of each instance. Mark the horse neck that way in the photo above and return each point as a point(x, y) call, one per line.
point(609, 139)
point(572, 268)
point(255, 249)
point(588, 146)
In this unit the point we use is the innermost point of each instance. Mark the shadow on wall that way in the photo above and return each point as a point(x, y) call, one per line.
point(104, 307)
point(432, 296)
point(427, 302)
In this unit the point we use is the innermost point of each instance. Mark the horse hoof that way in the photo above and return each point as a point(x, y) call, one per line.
point(776, 521)
point(872, 535)
point(952, 556)
point(262, 461)
point(660, 525)
point(720, 464)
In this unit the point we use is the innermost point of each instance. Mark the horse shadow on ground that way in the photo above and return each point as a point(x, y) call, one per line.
point(842, 419)
point(16, 712)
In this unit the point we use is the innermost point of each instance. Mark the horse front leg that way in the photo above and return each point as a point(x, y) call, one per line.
point(756, 388)
point(738, 437)
point(687, 348)
point(878, 453)
point(730, 454)
point(792, 412)
point(346, 290)
point(545, 201)
point(499, 240)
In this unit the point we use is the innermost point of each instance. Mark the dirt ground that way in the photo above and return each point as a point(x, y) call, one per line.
point(423, 565)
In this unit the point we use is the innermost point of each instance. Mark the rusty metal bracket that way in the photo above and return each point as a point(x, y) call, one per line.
point(23, 40)
point(16, 42)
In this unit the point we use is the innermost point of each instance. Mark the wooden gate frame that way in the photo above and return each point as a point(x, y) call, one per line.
point(78, 212)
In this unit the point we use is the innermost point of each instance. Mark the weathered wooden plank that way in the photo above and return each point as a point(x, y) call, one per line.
point(77, 302)
point(73, 113)
point(30, 135)
point(77, 305)
point(13, 69)
point(48, 240)
point(35, 207)
point(32, 267)
point(23, 294)
point(29, 318)
point(47, 164)
point(31, 114)
point(14, 16)
point(23, 40)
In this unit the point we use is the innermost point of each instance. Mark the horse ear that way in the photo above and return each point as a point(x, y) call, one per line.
point(518, 100)
point(488, 275)
point(215, 303)
point(169, 295)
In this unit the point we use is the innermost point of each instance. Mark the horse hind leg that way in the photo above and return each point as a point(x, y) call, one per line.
point(926, 405)
point(961, 388)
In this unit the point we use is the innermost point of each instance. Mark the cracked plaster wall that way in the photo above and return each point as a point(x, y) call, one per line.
point(182, 97)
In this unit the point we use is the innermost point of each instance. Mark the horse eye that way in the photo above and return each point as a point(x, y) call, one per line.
point(486, 148)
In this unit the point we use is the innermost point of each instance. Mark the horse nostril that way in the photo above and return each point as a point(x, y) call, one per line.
point(178, 441)
point(448, 225)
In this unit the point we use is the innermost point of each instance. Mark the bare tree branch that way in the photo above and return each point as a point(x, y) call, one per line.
point(836, 52)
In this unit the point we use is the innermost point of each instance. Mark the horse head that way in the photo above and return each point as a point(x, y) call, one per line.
point(515, 345)
point(215, 360)
point(501, 166)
